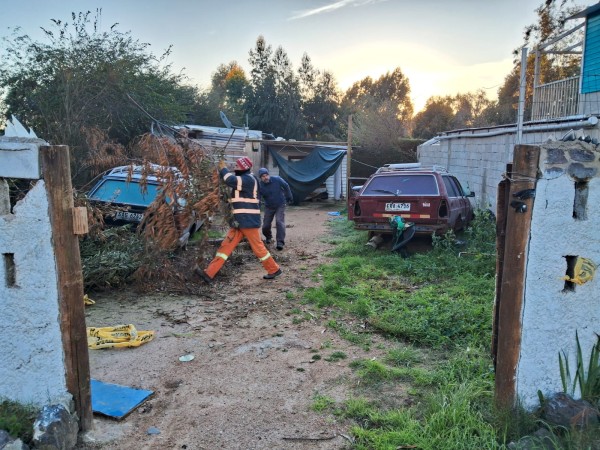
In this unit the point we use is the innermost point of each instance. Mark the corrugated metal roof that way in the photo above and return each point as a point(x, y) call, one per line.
point(217, 131)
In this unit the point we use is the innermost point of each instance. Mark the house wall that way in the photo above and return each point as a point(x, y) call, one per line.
point(591, 57)
point(31, 348)
point(589, 103)
point(552, 315)
point(336, 184)
point(478, 158)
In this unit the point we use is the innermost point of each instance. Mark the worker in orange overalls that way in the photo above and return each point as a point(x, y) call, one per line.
point(246, 221)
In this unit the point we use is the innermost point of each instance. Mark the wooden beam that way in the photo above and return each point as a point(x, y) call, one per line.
point(80, 220)
point(501, 212)
point(56, 173)
point(349, 156)
point(510, 302)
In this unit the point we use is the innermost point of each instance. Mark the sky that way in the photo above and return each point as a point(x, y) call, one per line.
point(444, 47)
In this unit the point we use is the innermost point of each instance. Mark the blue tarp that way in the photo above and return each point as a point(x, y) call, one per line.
point(307, 174)
point(114, 400)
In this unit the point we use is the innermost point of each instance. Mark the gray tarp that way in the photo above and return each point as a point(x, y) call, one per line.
point(309, 173)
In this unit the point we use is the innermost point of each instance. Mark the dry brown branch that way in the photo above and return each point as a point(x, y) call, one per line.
point(188, 188)
point(103, 153)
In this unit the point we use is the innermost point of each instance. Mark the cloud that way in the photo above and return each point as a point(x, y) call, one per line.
point(332, 7)
point(429, 70)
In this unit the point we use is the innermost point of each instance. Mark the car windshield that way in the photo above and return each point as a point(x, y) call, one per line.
point(119, 191)
point(402, 185)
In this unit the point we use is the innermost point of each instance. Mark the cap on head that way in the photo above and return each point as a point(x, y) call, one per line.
point(263, 171)
point(243, 163)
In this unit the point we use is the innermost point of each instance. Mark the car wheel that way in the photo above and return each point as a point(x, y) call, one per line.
point(459, 225)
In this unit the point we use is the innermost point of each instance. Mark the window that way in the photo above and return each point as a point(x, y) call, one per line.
point(451, 187)
point(119, 191)
point(402, 185)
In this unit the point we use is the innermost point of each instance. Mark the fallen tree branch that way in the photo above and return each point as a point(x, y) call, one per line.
point(326, 438)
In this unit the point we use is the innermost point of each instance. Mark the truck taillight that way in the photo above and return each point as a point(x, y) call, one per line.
point(443, 209)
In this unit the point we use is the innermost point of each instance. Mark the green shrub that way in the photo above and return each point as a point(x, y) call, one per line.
point(109, 259)
point(17, 419)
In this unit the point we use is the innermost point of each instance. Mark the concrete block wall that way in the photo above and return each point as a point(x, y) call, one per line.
point(479, 161)
point(552, 314)
point(32, 370)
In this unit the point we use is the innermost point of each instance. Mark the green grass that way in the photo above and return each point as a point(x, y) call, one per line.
point(336, 356)
point(403, 357)
point(17, 419)
point(435, 311)
point(322, 402)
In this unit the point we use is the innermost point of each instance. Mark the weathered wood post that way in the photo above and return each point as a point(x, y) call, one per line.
point(56, 173)
point(509, 302)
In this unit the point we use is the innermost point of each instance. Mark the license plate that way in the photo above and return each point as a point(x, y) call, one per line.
point(397, 206)
point(129, 216)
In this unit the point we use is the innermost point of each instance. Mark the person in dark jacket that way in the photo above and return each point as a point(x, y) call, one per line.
point(246, 221)
point(275, 192)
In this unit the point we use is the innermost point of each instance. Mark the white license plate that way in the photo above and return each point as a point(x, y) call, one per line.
point(397, 206)
point(129, 216)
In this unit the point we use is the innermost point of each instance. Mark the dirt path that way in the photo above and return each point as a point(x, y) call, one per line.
point(253, 378)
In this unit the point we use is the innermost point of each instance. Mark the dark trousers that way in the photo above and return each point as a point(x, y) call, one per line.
point(279, 214)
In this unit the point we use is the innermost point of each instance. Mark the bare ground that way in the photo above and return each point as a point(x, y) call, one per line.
point(254, 375)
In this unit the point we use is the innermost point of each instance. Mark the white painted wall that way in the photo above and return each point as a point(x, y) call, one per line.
point(31, 350)
point(550, 316)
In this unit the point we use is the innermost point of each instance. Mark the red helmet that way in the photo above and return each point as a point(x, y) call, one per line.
point(243, 163)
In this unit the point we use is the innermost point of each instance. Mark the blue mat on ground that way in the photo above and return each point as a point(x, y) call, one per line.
point(114, 400)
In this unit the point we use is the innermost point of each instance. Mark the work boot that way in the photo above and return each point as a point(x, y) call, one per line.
point(268, 241)
point(270, 276)
point(279, 246)
point(202, 275)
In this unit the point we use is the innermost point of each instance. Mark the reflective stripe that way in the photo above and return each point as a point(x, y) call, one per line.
point(246, 211)
point(227, 175)
point(239, 184)
point(244, 200)
point(264, 258)
point(255, 188)
point(222, 255)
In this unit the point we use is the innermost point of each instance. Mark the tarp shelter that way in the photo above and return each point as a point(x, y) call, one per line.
point(309, 173)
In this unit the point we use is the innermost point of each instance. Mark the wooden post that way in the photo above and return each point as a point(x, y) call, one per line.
point(501, 212)
point(56, 173)
point(510, 301)
point(349, 156)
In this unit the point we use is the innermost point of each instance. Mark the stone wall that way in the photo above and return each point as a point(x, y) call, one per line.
point(478, 158)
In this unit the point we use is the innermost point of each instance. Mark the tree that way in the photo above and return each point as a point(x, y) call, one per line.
point(382, 110)
point(440, 114)
point(320, 101)
point(228, 87)
point(437, 116)
point(273, 100)
point(81, 78)
point(553, 66)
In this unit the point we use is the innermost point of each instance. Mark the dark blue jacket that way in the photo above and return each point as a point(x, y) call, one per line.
point(276, 192)
point(244, 198)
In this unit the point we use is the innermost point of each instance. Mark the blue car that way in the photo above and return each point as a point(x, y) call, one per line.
point(131, 193)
